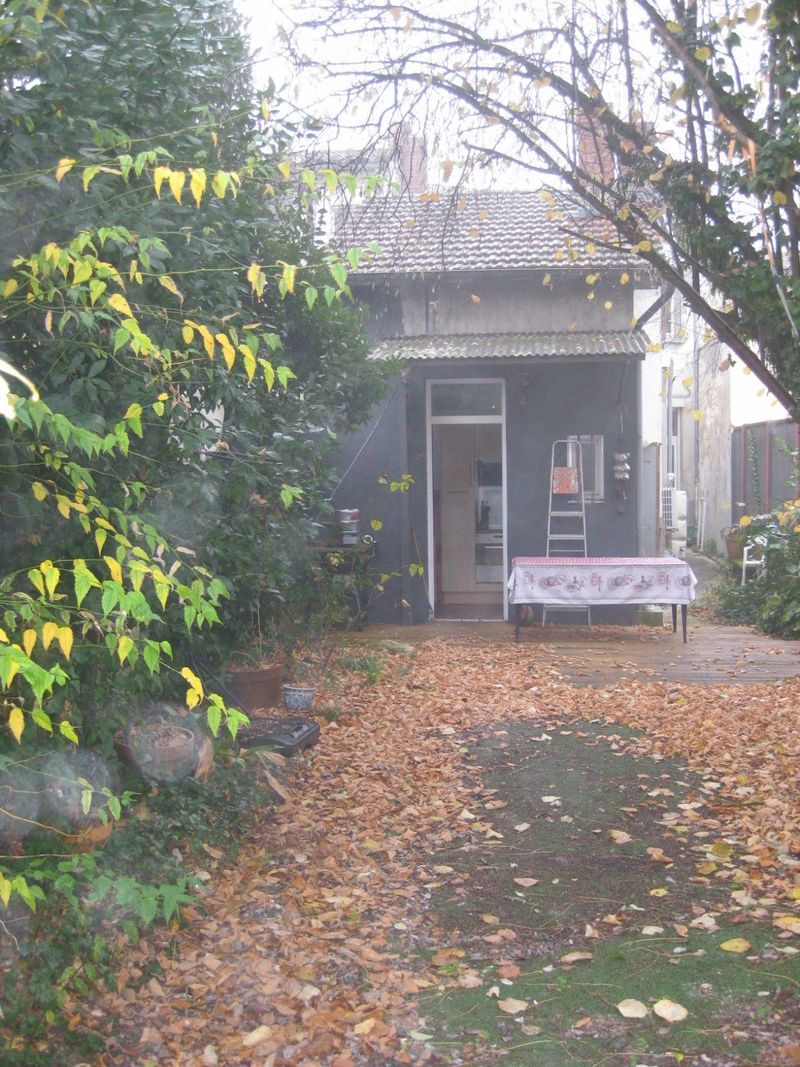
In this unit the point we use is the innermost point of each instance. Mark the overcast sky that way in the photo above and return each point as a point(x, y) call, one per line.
point(267, 16)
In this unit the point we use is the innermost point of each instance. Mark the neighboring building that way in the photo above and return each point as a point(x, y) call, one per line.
point(514, 323)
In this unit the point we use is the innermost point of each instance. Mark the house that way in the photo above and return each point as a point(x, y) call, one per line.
point(513, 323)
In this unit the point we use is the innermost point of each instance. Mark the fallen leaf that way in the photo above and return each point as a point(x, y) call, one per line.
point(522, 826)
point(576, 957)
point(526, 883)
point(364, 1026)
point(633, 1009)
point(508, 970)
point(657, 854)
point(511, 1006)
point(735, 944)
point(492, 920)
point(255, 1037)
point(669, 1010)
point(619, 836)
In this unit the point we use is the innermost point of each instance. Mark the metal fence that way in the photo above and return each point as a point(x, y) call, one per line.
point(764, 466)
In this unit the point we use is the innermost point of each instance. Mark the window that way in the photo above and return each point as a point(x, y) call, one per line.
point(592, 457)
point(466, 399)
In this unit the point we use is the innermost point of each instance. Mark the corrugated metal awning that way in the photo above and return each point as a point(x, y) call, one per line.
point(541, 346)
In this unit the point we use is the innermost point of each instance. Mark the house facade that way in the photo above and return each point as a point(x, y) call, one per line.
point(509, 333)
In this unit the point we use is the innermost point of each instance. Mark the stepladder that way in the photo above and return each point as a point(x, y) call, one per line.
point(566, 512)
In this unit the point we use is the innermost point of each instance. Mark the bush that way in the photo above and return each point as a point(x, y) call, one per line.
point(772, 601)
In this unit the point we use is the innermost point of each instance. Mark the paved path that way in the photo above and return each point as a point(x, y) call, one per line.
point(600, 655)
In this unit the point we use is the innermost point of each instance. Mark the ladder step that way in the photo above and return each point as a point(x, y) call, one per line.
point(566, 514)
point(567, 537)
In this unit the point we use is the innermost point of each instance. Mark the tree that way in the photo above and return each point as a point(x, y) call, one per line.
point(162, 290)
point(675, 121)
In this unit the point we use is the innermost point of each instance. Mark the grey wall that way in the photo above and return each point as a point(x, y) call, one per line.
point(496, 302)
point(545, 401)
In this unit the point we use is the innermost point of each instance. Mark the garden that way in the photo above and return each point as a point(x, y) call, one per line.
point(177, 358)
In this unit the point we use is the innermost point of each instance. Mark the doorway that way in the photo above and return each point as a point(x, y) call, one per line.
point(467, 499)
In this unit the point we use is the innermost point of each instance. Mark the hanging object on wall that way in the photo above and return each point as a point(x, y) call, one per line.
point(621, 472)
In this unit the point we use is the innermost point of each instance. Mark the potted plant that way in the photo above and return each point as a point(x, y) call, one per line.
point(256, 673)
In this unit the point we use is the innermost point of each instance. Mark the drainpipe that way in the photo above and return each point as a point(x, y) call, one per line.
point(405, 510)
point(696, 457)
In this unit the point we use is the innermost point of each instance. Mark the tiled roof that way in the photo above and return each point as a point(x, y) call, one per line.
point(478, 231)
point(514, 346)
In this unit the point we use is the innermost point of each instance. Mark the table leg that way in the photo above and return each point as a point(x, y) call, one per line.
point(683, 621)
point(674, 617)
point(516, 621)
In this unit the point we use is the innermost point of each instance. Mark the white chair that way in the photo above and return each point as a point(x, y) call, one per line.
point(753, 558)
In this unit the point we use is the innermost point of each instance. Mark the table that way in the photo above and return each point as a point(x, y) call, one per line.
point(581, 582)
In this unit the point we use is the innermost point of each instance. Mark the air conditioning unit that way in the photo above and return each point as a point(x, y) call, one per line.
point(674, 511)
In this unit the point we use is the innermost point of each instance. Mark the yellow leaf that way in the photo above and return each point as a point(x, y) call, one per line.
point(659, 892)
point(114, 569)
point(5, 889)
point(16, 722)
point(624, 278)
point(177, 180)
point(29, 639)
point(65, 638)
point(170, 286)
point(669, 1010)
point(752, 13)
point(780, 198)
point(4, 636)
point(208, 340)
point(188, 334)
point(49, 632)
point(736, 944)
point(288, 276)
point(249, 362)
point(124, 647)
point(63, 167)
point(703, 53)
point(118, 302)
point(38, 490)
point(160, 175)
point(285, 167)
point(10, 287)
point(188, 675)
point(619, 836)
point(492, 920)
point(198, 183)
point(228, 351)
point(697, 415)
point(265, 109)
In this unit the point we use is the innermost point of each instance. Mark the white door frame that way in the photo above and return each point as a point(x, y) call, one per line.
point(469, 420)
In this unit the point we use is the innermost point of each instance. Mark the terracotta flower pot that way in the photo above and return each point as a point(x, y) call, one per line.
point(257, 687)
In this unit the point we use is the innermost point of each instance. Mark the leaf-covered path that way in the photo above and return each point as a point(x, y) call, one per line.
point(321, 947)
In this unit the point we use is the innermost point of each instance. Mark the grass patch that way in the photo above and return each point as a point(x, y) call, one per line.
point(591, 824)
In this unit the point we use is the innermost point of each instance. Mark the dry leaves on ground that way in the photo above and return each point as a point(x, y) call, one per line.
point(307, 951)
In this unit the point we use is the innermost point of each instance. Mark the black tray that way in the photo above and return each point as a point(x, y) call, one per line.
point(287, 734)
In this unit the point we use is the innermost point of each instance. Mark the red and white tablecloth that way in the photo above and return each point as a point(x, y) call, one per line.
point(600, 580)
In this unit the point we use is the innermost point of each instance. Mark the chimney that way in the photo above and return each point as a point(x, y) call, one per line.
point(592, 151)
point(412, 160)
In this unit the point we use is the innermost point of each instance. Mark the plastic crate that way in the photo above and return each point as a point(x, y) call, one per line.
point(286, 734)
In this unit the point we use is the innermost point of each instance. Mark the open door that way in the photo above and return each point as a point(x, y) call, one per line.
point(468, 519)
